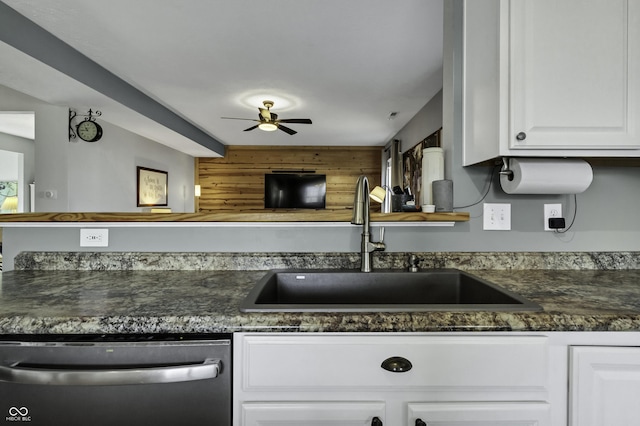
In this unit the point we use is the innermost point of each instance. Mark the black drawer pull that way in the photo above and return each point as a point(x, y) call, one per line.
point(419, 422)
point(397, 364)
point(376, 422)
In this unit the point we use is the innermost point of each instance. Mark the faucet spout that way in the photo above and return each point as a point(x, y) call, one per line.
point(362, 216)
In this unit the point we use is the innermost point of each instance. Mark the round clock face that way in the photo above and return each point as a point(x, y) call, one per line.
point(89, 131)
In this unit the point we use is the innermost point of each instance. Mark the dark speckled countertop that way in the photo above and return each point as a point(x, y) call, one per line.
point(104, 299)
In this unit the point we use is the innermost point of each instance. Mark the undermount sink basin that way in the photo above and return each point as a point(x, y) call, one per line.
point(380, 291)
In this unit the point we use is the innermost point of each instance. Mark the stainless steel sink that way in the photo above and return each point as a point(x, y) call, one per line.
point(380, 291)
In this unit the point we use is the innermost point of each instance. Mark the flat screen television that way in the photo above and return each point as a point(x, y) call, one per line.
point(295, 191)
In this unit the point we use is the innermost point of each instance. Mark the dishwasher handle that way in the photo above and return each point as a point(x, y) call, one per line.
point(33, 375)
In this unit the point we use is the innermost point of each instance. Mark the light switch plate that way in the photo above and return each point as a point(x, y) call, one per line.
point(496, 217)
point(92, 237)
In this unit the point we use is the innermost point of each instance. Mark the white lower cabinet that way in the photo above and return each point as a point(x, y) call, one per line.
point(479, 413)
point(455, 379)
point(605, 386)
point(312, 413)
point(340, 379)
point(373, 413)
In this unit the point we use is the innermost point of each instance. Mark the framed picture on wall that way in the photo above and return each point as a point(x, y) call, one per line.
point(152, 187)
point(9, 197)
point(412, 178)
point(412, 167)
point(433, 140)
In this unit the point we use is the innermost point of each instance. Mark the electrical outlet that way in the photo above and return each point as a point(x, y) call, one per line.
point(50, 194)
point(496, 217)
point(551, 210)
point(94, 237)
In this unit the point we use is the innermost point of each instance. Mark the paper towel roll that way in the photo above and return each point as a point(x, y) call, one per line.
point(547, 176)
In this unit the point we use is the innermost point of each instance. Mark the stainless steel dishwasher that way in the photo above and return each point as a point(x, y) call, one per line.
point(117, 380)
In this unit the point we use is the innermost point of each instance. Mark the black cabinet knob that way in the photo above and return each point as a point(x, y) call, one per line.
point(521, 136)
point(419, 422)
point(376, 422)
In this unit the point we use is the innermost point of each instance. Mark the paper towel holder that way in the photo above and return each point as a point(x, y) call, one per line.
point(545, 175)
point(505, 170)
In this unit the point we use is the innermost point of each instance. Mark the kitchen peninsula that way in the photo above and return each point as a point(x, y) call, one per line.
point(590, 301)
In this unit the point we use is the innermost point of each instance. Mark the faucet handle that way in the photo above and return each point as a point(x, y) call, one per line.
point(414, 263)
point(378, 245)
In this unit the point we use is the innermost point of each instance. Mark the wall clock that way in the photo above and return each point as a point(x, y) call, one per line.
point(89, 131)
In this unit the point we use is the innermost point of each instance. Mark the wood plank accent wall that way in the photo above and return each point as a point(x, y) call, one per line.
point(236, 182)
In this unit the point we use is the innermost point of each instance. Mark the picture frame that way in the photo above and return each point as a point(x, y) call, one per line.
point(152, 187)
point(412, 171)
point(8, 196)
point(433, 140)
point(412, 164)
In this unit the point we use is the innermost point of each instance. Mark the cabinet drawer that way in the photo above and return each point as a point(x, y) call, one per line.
point(311, 413)
point(480, 413)
point(482, 365)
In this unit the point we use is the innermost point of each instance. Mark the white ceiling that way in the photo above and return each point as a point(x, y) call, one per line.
point(346, 64)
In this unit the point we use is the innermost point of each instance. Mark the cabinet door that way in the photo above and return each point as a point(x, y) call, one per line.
point(575, 74)
point(479, 414)
point(312, 413)
point(605, 386)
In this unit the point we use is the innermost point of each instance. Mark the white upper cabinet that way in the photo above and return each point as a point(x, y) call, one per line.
point(551, 78)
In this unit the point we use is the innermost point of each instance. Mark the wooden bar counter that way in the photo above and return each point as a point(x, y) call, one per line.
point(232, 216)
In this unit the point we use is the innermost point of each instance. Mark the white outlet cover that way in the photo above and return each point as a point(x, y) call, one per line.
point(496, 217)
point(91, 237)
point(551, 210)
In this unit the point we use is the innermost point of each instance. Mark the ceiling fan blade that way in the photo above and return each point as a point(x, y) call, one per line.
point(296, 120)
point(234, 118)
point(252, 127)
point(287, 130)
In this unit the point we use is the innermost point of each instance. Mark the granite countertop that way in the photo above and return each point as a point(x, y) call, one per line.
point(206, 301)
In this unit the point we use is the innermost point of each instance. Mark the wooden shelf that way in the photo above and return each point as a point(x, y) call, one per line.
point(231, 216)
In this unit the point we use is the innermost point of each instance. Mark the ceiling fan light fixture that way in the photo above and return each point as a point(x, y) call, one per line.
point(269, 121)
point(267, 127)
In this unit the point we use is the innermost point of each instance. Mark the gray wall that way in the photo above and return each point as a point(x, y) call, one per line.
point(426, 121)
point(13, 101)
point(11, 147)
point(102, 175)
point(16, 144)
point(98, 176)
point(606, 218)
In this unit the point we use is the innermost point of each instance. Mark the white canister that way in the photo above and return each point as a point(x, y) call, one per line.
point(432, 169)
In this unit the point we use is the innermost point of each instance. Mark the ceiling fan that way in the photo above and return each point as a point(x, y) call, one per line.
point(269, 121)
